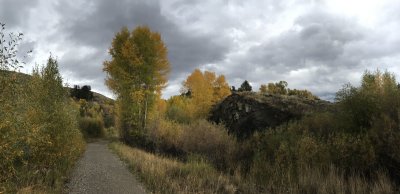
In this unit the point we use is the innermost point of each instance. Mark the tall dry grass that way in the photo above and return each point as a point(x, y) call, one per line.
point(210, 141)
point(163, 175)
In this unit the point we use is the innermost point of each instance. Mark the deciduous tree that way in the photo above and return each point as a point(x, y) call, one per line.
point(137, 72)
point(205, 89)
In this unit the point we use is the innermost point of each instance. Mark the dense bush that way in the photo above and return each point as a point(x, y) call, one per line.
point(359, 140)
point(297, 161)
point(180, 109)
point(91, 127)
point(91, 119)
point(199, 137)
point(40, 139)
point(209, 140)
point(353, 149)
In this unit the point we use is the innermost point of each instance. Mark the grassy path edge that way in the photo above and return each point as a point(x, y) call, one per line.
point(164, 175)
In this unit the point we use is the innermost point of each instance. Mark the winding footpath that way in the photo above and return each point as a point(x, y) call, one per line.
point(100, 171)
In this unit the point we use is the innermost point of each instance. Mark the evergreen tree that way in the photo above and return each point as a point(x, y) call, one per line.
point(245, 87)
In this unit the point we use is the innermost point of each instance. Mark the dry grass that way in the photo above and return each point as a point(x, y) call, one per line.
point(315, 181)
point(162, 175)
point(329, 181)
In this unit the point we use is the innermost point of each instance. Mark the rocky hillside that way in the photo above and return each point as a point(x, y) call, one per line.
point(243, 113)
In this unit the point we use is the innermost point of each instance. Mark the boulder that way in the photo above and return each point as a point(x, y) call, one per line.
point(243, 113)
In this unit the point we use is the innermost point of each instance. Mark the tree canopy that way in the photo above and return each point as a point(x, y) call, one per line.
point(205, 89)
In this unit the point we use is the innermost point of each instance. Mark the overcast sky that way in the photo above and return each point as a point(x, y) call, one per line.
point(312, 44)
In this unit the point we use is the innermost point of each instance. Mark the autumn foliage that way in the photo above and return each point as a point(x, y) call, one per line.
point(200, 91)
point(136, 73)
point(280, 88)
point(39, 135)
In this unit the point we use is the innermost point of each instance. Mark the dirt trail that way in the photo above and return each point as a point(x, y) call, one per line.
point(100, 171)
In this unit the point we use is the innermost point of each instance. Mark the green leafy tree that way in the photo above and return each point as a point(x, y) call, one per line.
point(137, 72)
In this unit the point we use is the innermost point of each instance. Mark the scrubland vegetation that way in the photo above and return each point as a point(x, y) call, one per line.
point(163, 175)
point(43, 123)
point(39, 135)
point(91, 120)
point(352, 148)
point(328, 152)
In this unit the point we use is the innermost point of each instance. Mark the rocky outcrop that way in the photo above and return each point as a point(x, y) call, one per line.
point(243, 113)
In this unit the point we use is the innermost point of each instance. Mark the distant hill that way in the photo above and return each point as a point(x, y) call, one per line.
point(97, 97)
point(101, 99)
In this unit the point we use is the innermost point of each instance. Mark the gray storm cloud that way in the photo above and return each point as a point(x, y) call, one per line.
point(303, 42)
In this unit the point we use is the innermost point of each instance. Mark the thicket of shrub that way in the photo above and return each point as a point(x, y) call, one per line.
point(352, 150)
point(200, 137)
point(40, 139)
point(91, 119)
point(360, 140)
point(91, 127)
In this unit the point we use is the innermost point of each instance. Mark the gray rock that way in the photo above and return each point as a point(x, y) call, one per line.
point(243, 113)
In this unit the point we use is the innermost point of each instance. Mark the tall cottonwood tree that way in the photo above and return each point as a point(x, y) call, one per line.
point(136, 73)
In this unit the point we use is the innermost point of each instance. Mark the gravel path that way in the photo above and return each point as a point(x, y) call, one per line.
point(100, 171)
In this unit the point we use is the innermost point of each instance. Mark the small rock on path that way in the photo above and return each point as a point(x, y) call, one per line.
point(100, 171)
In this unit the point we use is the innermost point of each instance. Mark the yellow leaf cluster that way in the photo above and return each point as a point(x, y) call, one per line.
point(205, 89)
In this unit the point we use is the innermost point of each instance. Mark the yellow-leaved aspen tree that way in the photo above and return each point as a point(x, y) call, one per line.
point(136, 73)
point(205, 90)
